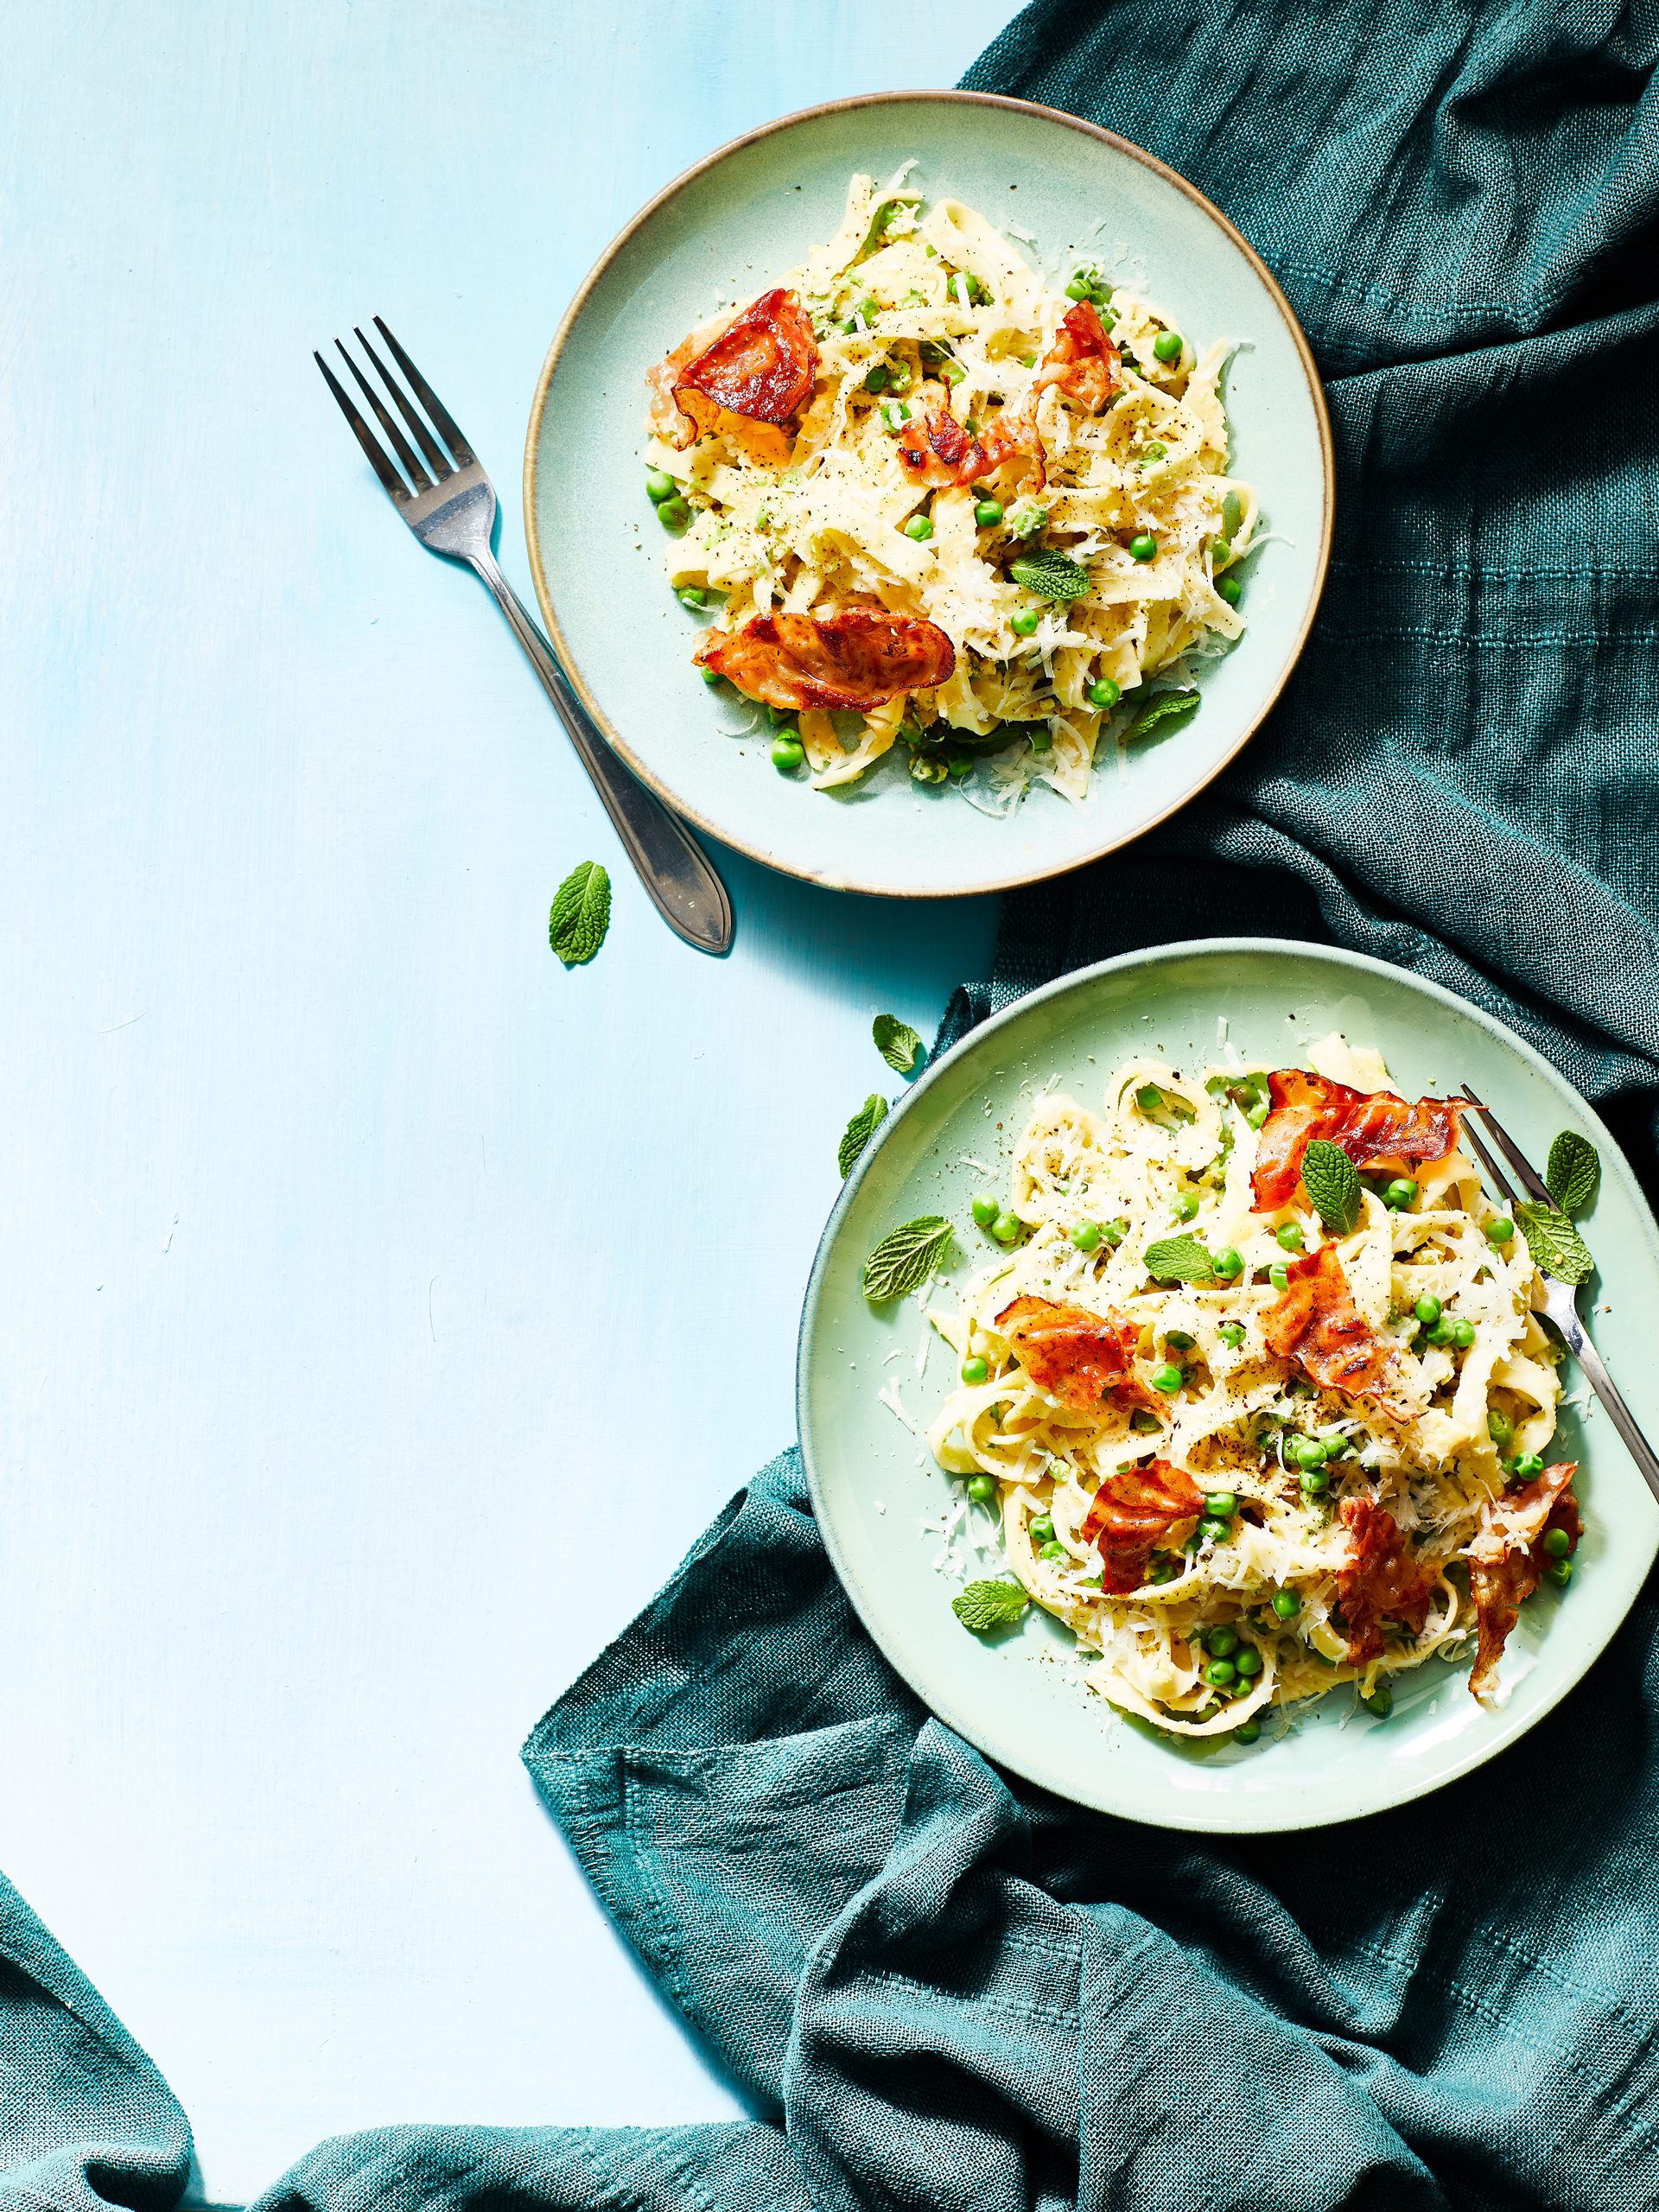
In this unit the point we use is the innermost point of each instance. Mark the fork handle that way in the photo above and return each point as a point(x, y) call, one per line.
point(1606, 1390)
point(686, 891)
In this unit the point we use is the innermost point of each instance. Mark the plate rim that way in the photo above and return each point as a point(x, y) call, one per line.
point(1111, 843)
point(1193, 1814)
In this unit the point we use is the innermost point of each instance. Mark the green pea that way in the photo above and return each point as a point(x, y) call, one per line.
point(1042, 738)
point(988, 513)
point(1167, 345)
point(1179, 1339)
point(1441, 1334)
point(1557, 1543)
point(1114, 1231)
point(1258, 1113)
point(1315, 1482)
point(975, 1370)
point(1501, 1230)
point(1249, 1663)
point(1078, 288)
point(711, 676)
point(1500, 1428)
point(1207, 1711)
point(1247, 1730)
point(959, 763)
point(1230, 589)
point(673, 514)
point(786, 754)
point(1279, 1278)
point(1220, 1643)
point(780, 717)
point(692, 598)
point(1186, 1206)
point(1086, 1236)
point(1400, 1193)
point(875, 379)
point(986, 1209)
point(1312, 1452)
point(1161, 1569)
point(918, 527)
point(983, 1489)
point(1287, 1605)
point(1231, 1332)
point(1026, 621)
point(1007, 1229)
point(1221, 1505)
point(1381, 1701)
point(659, 485)
point(1463, 1334)
point(868, 309)
point(1527, 1468)
point(1143, 546)
point(1216, 1531)
point(1289, 1234)
point(1220, 1673)
point(1427, 1311)
point(1144, 1421)
point(1042, 1529)
point(1560, 1571)
point(1053, 1550)
point(1103, 692)
point(1168, 1379)
point(1228, 1262)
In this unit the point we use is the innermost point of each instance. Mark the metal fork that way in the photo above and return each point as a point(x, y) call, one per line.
point(453, 511)
point(1559, 1308)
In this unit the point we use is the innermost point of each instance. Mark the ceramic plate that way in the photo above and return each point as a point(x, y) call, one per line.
point(734, 225)
point(873, 1483)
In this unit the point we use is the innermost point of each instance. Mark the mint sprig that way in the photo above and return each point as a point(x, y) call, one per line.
point(1161, 711)
point(580, 915)
point(1179, 1259)
point(905, 1257)
point(1333, 1185)
point(1554, 1243)
point(984, 1606)
point(1050, 573)
point(1573, 1172)
point(859, 1131)
point(896, 1041)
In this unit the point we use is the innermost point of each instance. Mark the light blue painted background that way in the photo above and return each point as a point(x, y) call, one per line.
point(385, 1310)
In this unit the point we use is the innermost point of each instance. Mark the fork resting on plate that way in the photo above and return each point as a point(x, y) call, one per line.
point(1560, 1308)
point(453, 511)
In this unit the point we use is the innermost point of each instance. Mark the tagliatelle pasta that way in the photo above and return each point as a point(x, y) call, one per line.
point(1028, 487)
point(1245, 1456)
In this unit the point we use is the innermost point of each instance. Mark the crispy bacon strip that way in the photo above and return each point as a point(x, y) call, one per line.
point(1083, 360)
point(1134, 1511)
point(1317, 1323)
point(1379, 1131)
point(1075, 1356)
point(1382, 1582)
point(855, 658)
point(1507, 1558)
point(762, 365)
point(934, 449)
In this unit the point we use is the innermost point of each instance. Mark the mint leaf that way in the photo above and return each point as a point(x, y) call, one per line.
point(1332, 1183)
point(905, 1257)
point(983, 1606)
point(1232, 514)
point(582, 913)
point(1179, 1259)
point(1574, 1174)
point(896, 1041)
point(1163, 709)
point(859, 1131)
point(1555, 1244)
point(1050, 573)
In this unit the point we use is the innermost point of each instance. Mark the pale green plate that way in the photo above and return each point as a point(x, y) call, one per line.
point(734, 225)
point(1012, 1697)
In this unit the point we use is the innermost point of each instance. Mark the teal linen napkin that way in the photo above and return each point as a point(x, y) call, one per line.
point(944, 1989)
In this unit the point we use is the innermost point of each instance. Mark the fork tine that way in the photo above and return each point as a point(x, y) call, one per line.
point(417, 475)
point(1531, 1181)
point(383, 468)
point(1494, 1173)
point(437, 460)
point(429, 399)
